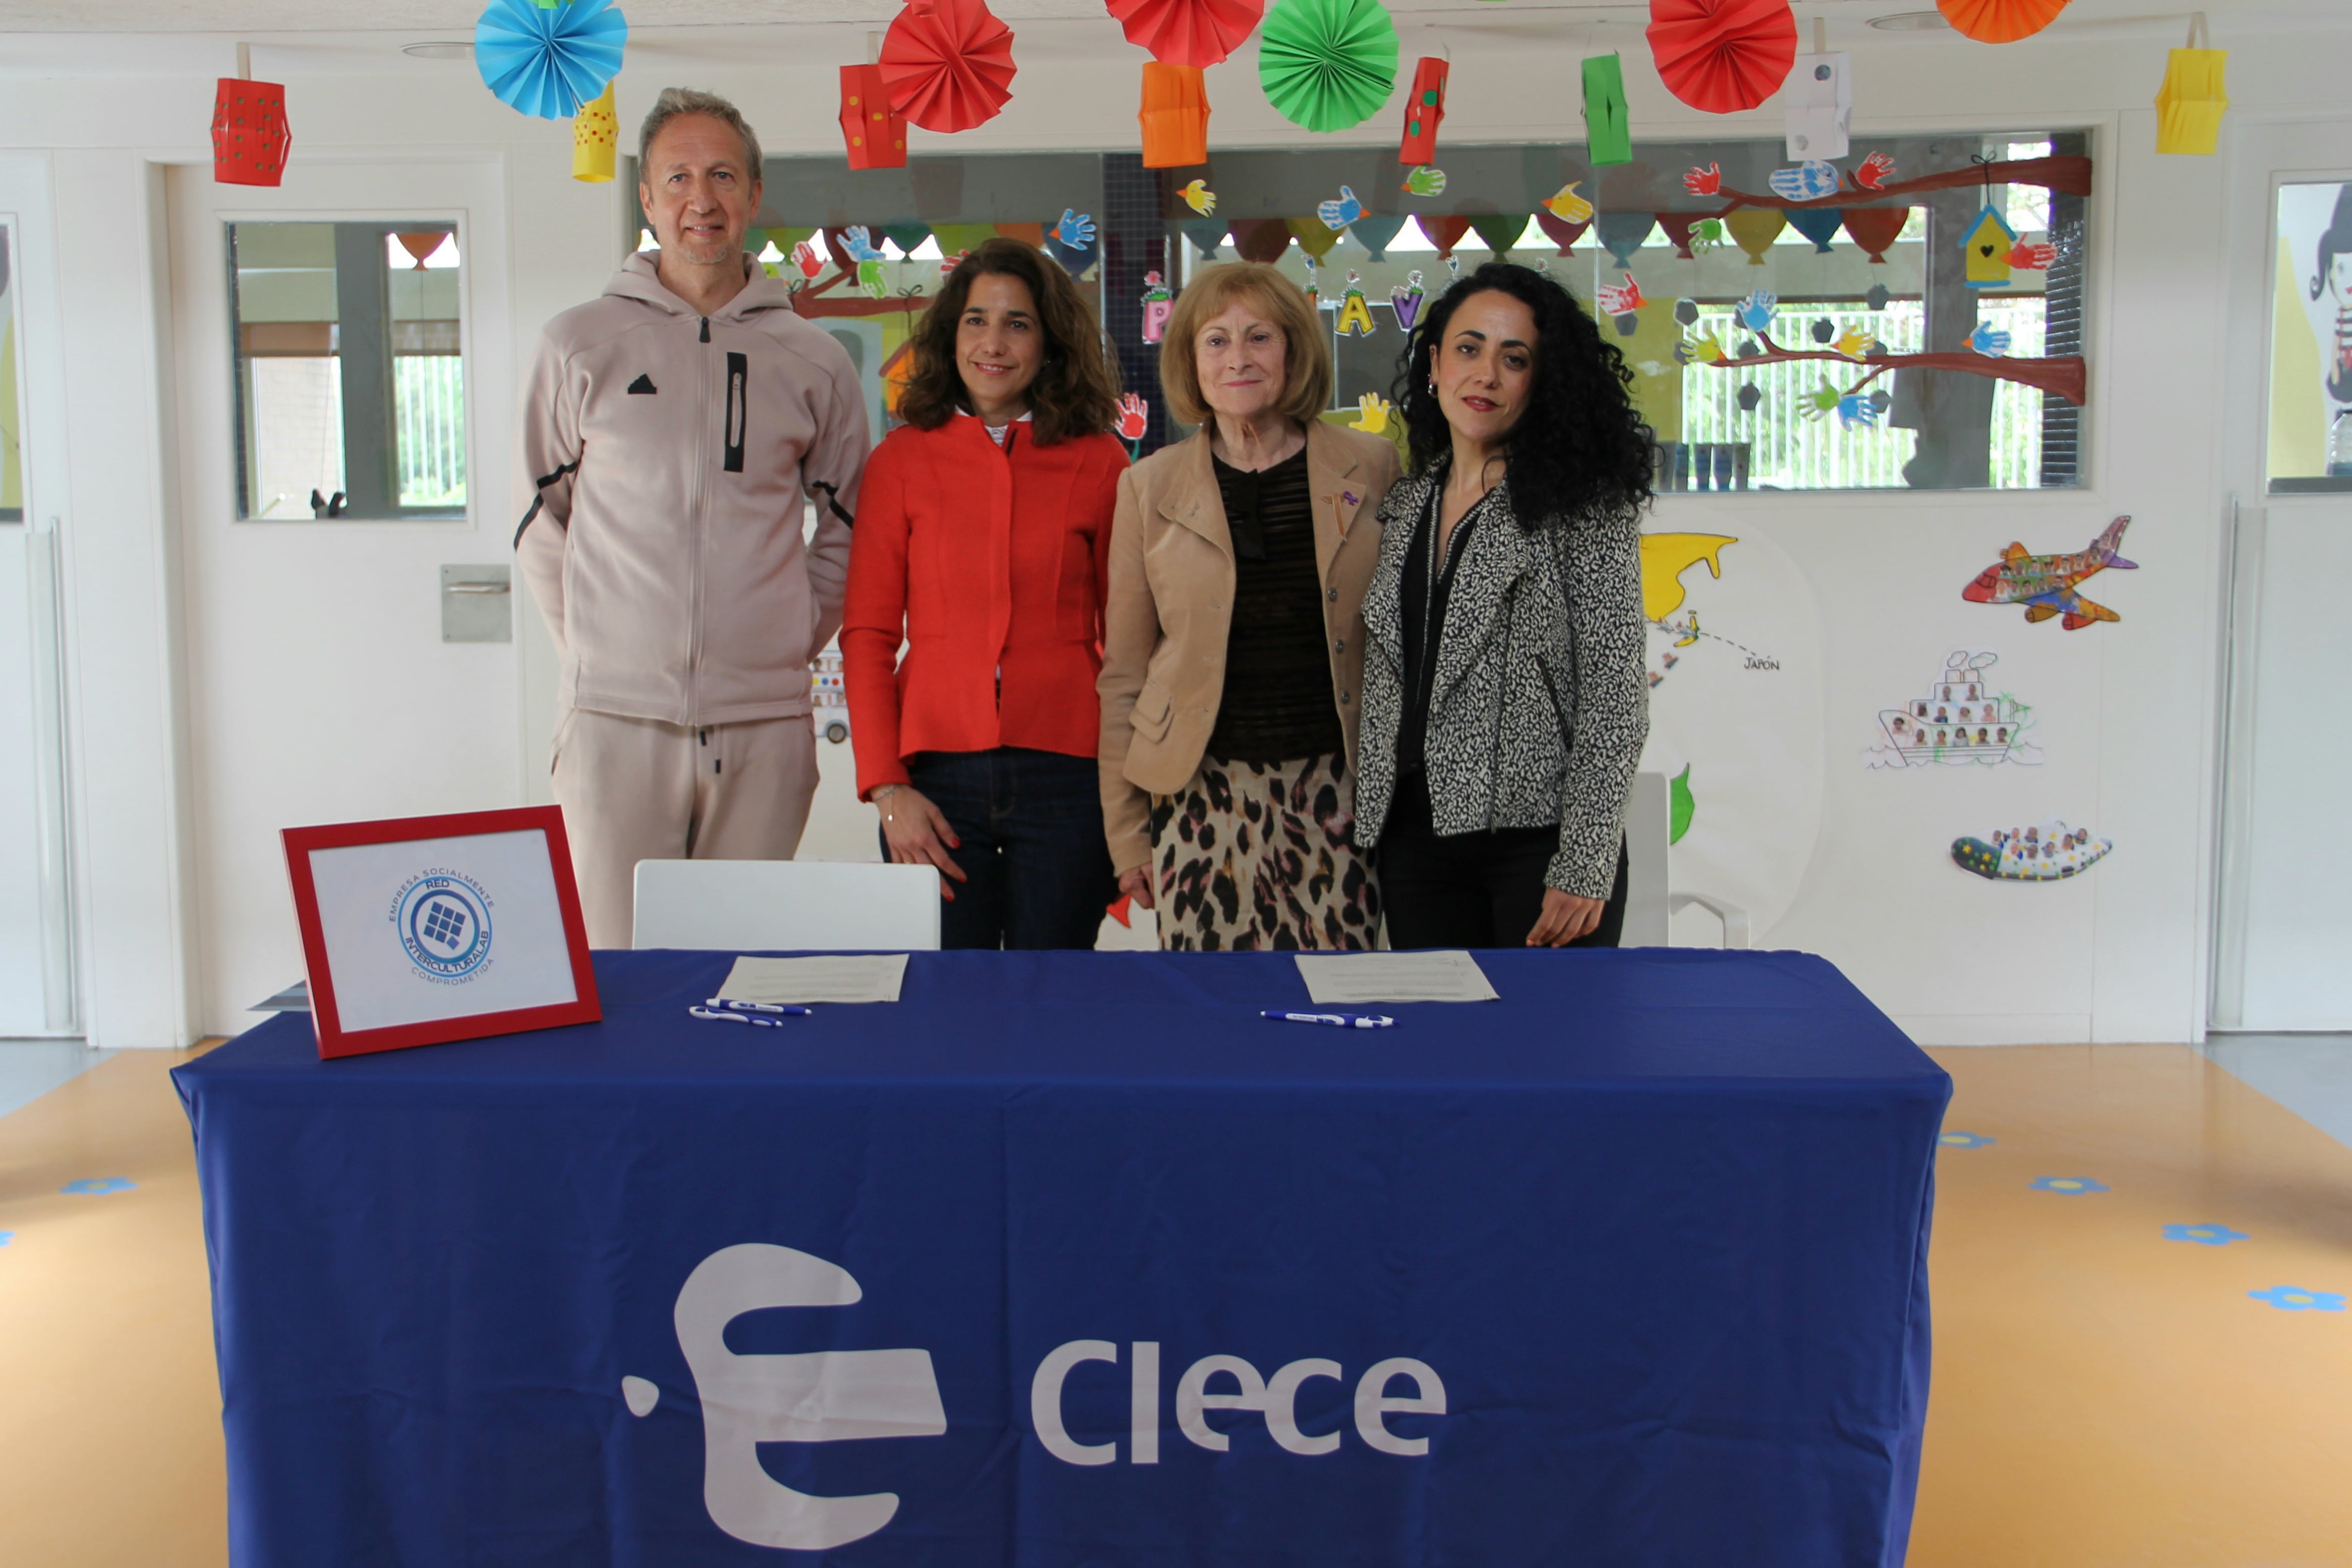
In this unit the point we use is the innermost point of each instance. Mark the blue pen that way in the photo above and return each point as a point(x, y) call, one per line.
point(1337, 1020)
point(733, 1006)
point(717, 1016)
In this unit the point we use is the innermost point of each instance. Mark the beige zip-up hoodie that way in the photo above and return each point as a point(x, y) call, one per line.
point(666, 457)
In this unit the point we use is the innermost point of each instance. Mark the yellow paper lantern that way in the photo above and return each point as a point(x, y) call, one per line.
point(595, 138)
point(2190, 105)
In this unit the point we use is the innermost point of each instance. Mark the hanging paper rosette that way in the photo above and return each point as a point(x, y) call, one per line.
point(549, 60)
point(1723, 56)
point(1195, 33)
point(1328, 64)
point(1999, 21)
point(948, 62)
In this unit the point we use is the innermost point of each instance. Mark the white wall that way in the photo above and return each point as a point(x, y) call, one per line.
point(2119, 954)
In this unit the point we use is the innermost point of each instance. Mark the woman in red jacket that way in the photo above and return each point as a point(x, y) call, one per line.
point(983, 526)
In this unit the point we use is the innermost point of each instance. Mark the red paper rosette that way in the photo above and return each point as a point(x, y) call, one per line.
point(948, 62)
point(1187, 32)
point(1723, 56)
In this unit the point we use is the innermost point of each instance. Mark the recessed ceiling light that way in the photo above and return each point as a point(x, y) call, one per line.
point(446, 51)
point(1912, 22)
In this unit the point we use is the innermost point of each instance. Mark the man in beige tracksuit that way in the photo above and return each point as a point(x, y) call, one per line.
point(672, 431)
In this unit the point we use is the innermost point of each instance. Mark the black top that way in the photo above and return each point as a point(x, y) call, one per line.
point(1276, 706)
point(1421, 599)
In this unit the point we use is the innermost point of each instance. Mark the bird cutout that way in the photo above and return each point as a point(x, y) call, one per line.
point(1425, 181)
point(1620, 298)
point(859, 244)
point(2046, 585)
point(1199, 197)
point(1157, 303)
point(1822, 401)
point(1338, 212)
point(1877, 296)
point(1567, 205)
point(1825, 329)
point(1750, 395)
point(1871, 174)
point(1855, 409)
point(1076, 229)
point(1755, 311)
point(1355, 320)
point(1806, 182)
point(1686, 312)
point(1705, 350)
point(805, 258)
point(1406, 301)
point(1373, 412)
point(1988, 340)
point(1706, 182)
point(1854, 343)
point(2032, 255)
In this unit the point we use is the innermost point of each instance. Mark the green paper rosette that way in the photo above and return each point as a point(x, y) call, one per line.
point(1328, 64)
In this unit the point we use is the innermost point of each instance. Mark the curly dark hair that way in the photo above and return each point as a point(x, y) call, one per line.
point(1581, 453)
point(1076, 389)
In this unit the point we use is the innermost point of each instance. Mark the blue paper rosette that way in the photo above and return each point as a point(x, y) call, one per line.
point(548, 60)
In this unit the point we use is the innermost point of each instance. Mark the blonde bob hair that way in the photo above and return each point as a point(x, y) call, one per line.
point(1306, 356)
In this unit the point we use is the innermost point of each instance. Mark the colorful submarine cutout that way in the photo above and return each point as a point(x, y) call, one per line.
point(2045, 584)
point(2047, 853)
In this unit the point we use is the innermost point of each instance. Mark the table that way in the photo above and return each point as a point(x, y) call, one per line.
point(1071, 1260)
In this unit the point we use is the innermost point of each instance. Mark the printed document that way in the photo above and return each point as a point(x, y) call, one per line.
point(846, 978)
point(1345, 979)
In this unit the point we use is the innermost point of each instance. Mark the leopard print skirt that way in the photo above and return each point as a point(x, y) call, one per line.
point(1258, 855)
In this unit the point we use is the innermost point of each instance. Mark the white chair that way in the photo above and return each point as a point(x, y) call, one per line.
point(750, 906)
point(1650, 903)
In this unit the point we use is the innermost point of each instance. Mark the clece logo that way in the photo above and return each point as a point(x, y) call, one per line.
point(444, 921)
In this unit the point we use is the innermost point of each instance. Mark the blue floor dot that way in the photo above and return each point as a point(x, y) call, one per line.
point(2204, 1235)
point(2071, 1187)
point(91, 1185)
point(1964, 1140)
point(2293, 1298)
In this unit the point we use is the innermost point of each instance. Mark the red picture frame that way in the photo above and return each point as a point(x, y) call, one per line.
point(326, 1014)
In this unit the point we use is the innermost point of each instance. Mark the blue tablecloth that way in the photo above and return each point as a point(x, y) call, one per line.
point(1652, 1231)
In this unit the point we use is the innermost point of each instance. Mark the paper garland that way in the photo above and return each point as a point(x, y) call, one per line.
point(1562, 233)
point(1753, 230)
point(1999, 21)
point(1326, 65)
point(1875, 228)
point(1818, 225)
point(250, 136)
point(1174, 116)
point(1723, 56)
point(548, 61)
point(947, 64)
point(1443, 233)
point(595, 138)
point(1195, 33)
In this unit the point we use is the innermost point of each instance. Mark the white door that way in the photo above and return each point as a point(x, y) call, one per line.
point(2283, 927)
point(320, 686)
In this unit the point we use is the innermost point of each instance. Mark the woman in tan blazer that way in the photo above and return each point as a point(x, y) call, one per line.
point(1233, 650)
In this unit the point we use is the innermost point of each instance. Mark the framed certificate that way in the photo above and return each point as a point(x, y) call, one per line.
point(426, 929)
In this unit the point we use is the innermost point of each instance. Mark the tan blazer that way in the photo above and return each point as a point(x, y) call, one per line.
point(1170, 609)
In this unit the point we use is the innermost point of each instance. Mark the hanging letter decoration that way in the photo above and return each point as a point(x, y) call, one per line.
point(874, 134)
point(1355, 319)
point(1425, 108)
point(1723, 56)
point(1157, 303)
point(250, 137)
point(1406, 300)
point(1328, 64)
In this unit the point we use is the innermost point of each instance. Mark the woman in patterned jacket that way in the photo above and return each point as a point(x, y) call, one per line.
point(1505, 696)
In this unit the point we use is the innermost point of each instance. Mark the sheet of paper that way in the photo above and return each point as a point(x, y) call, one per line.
point(1345, 979)
point(848, 977)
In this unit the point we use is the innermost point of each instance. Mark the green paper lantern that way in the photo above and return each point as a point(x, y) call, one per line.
point(1608, 122)
point(1328, 65)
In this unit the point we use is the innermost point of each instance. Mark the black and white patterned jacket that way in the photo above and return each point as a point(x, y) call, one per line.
point(1542, 696)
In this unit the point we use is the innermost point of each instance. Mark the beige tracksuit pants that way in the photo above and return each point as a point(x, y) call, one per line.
point(636, 789)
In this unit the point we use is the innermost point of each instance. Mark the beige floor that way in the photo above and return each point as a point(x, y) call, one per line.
point(2103, 1397)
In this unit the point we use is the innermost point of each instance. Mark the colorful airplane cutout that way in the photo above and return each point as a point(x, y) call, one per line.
point(2045, 584)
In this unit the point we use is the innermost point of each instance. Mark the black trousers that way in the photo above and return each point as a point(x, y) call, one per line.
point(1471, 890)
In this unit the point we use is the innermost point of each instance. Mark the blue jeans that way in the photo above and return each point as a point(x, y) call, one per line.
point(1036, 866)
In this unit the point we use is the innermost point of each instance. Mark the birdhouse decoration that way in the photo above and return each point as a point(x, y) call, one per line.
point(872, 133)
point(1174, 116)
point(2190, 105)
point(250, 137)
point(596, 137)
point(1986, 248)
point(1608, 123)
point(1157, 303)
point(1425, 108)
point(1355, 319)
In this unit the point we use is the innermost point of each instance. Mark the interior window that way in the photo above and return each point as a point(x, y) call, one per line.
point(2311, 341)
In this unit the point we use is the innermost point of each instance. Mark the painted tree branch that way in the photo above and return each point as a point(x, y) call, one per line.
point(2067, 175)
point(2064, 375)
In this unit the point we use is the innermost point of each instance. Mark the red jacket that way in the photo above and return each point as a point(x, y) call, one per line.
point(982, 560)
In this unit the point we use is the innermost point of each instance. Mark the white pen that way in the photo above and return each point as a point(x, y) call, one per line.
point(755, 1019)
point(733, 1006)
point(1337, 1020)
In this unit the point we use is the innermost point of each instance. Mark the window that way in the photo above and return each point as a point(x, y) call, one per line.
point(2311, 341)
point(350, 387)
point(12, 446)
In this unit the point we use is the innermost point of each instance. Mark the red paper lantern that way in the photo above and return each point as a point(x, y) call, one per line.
point(948, 62)
point(1424, 106)
point(1195, 33)
point(871, 132)
point(1723, 56)
point(250, 138)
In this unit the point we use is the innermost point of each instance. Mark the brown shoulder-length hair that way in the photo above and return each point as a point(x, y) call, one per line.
point(1306, 354)
point(1076, 389)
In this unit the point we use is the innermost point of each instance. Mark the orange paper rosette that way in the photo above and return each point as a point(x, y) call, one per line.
point(1187, 32)
point(947, 64)
point(1723, 56)
point(1999, 21)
